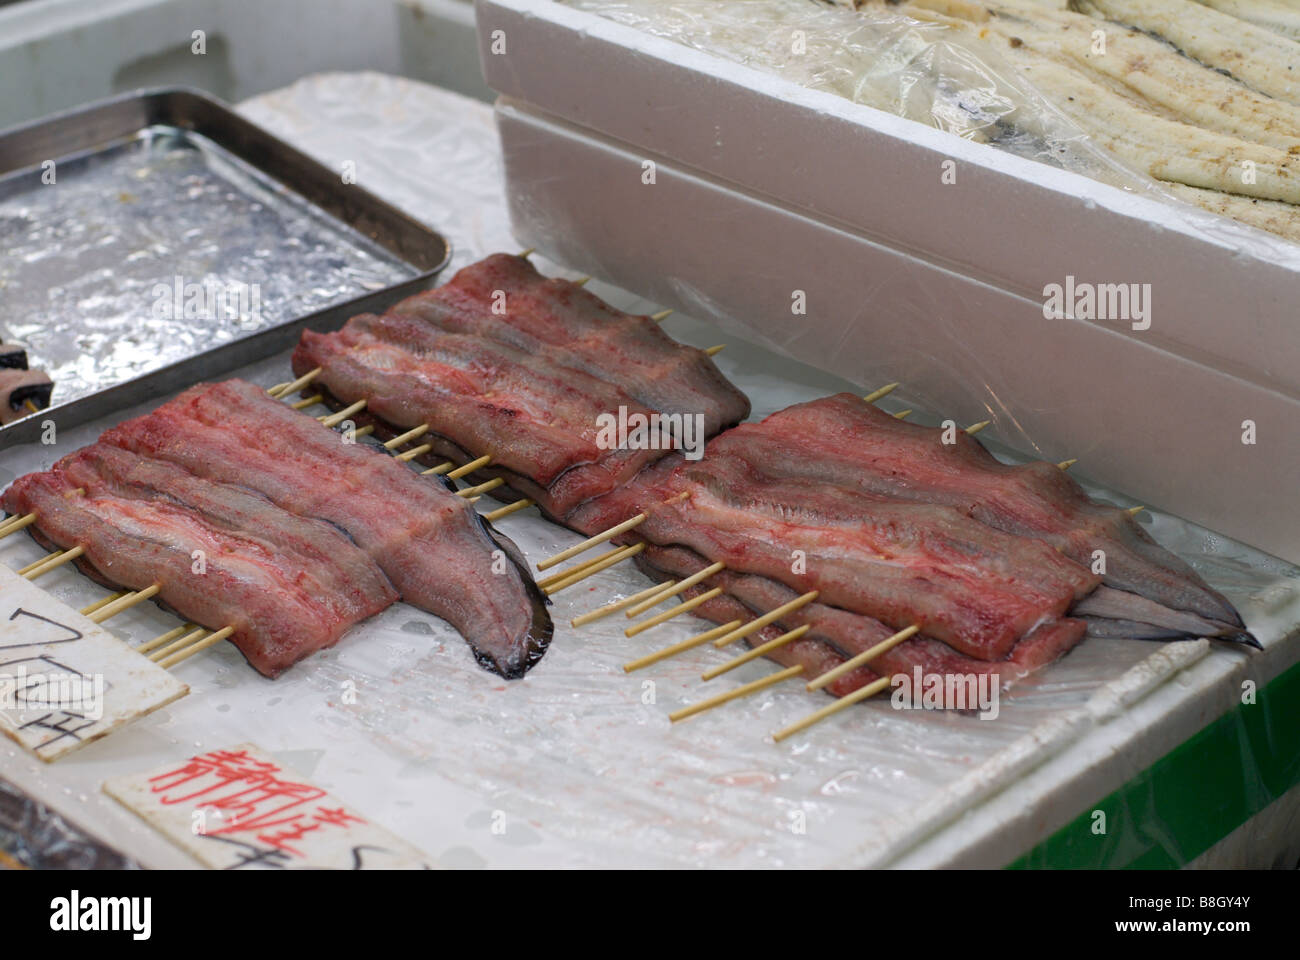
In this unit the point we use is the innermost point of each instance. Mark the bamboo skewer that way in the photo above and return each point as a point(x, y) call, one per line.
point(714, 351)
point(661, 316)
point(467, 468)
point(754, 686)
point(508, 509)
point(176, 645)
point(753, 654)
point(686, 584)
point(22, 571)
point(866, 656)
point(590, 542)
point(124, 603)
point(601, 612)
point(681, 647)
point(172, 641)
point(615, 556)
point(685, 607)
point(884, 391)
point(16, 524)
point(414, 433)
point(481, 488)
point(414, 452)
point(448, 468)
point(294, 386)
point(199, 647)
point(334, 419)
point(91, 608)
point(975, 428)
point(862, 693)
point(758, 623)
point(51, 562)
point(167, 637)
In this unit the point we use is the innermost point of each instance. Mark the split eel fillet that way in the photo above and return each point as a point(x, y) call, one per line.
point(978, 590)
point(834, 634)
point(289, 586)
point(438, 553)
point(571, 327)
point(1254, 55)
point(503, 361)
point(855, 445)
point(536, 418)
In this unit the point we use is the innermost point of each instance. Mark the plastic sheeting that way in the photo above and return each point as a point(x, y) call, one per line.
point(923, 70)
point(578, 762)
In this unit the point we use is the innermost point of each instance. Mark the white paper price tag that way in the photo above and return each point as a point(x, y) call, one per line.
point(64, 680)
point(239, 808)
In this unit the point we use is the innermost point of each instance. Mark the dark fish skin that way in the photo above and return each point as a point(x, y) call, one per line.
point(1105, 629)
point(18, 385)
point(12, 357)
point(538, 637)
point(1150, 620)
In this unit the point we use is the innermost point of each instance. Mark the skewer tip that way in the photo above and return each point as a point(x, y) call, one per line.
point(884, 391)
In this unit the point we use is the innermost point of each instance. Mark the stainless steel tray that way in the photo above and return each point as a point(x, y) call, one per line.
point(158, 238)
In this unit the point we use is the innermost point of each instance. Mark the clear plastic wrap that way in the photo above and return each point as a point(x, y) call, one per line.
point(924, 70)
point(578, 762)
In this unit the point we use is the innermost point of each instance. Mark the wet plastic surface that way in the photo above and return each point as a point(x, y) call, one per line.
point(579, 760)
point(160, 248)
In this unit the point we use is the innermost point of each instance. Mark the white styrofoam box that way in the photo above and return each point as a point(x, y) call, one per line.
point(1008, 221)
point(1140, 418)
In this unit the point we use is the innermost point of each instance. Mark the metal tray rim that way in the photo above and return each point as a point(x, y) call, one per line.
point(102, 123)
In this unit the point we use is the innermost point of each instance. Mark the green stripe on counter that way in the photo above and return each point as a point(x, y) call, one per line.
point(1192, 797)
